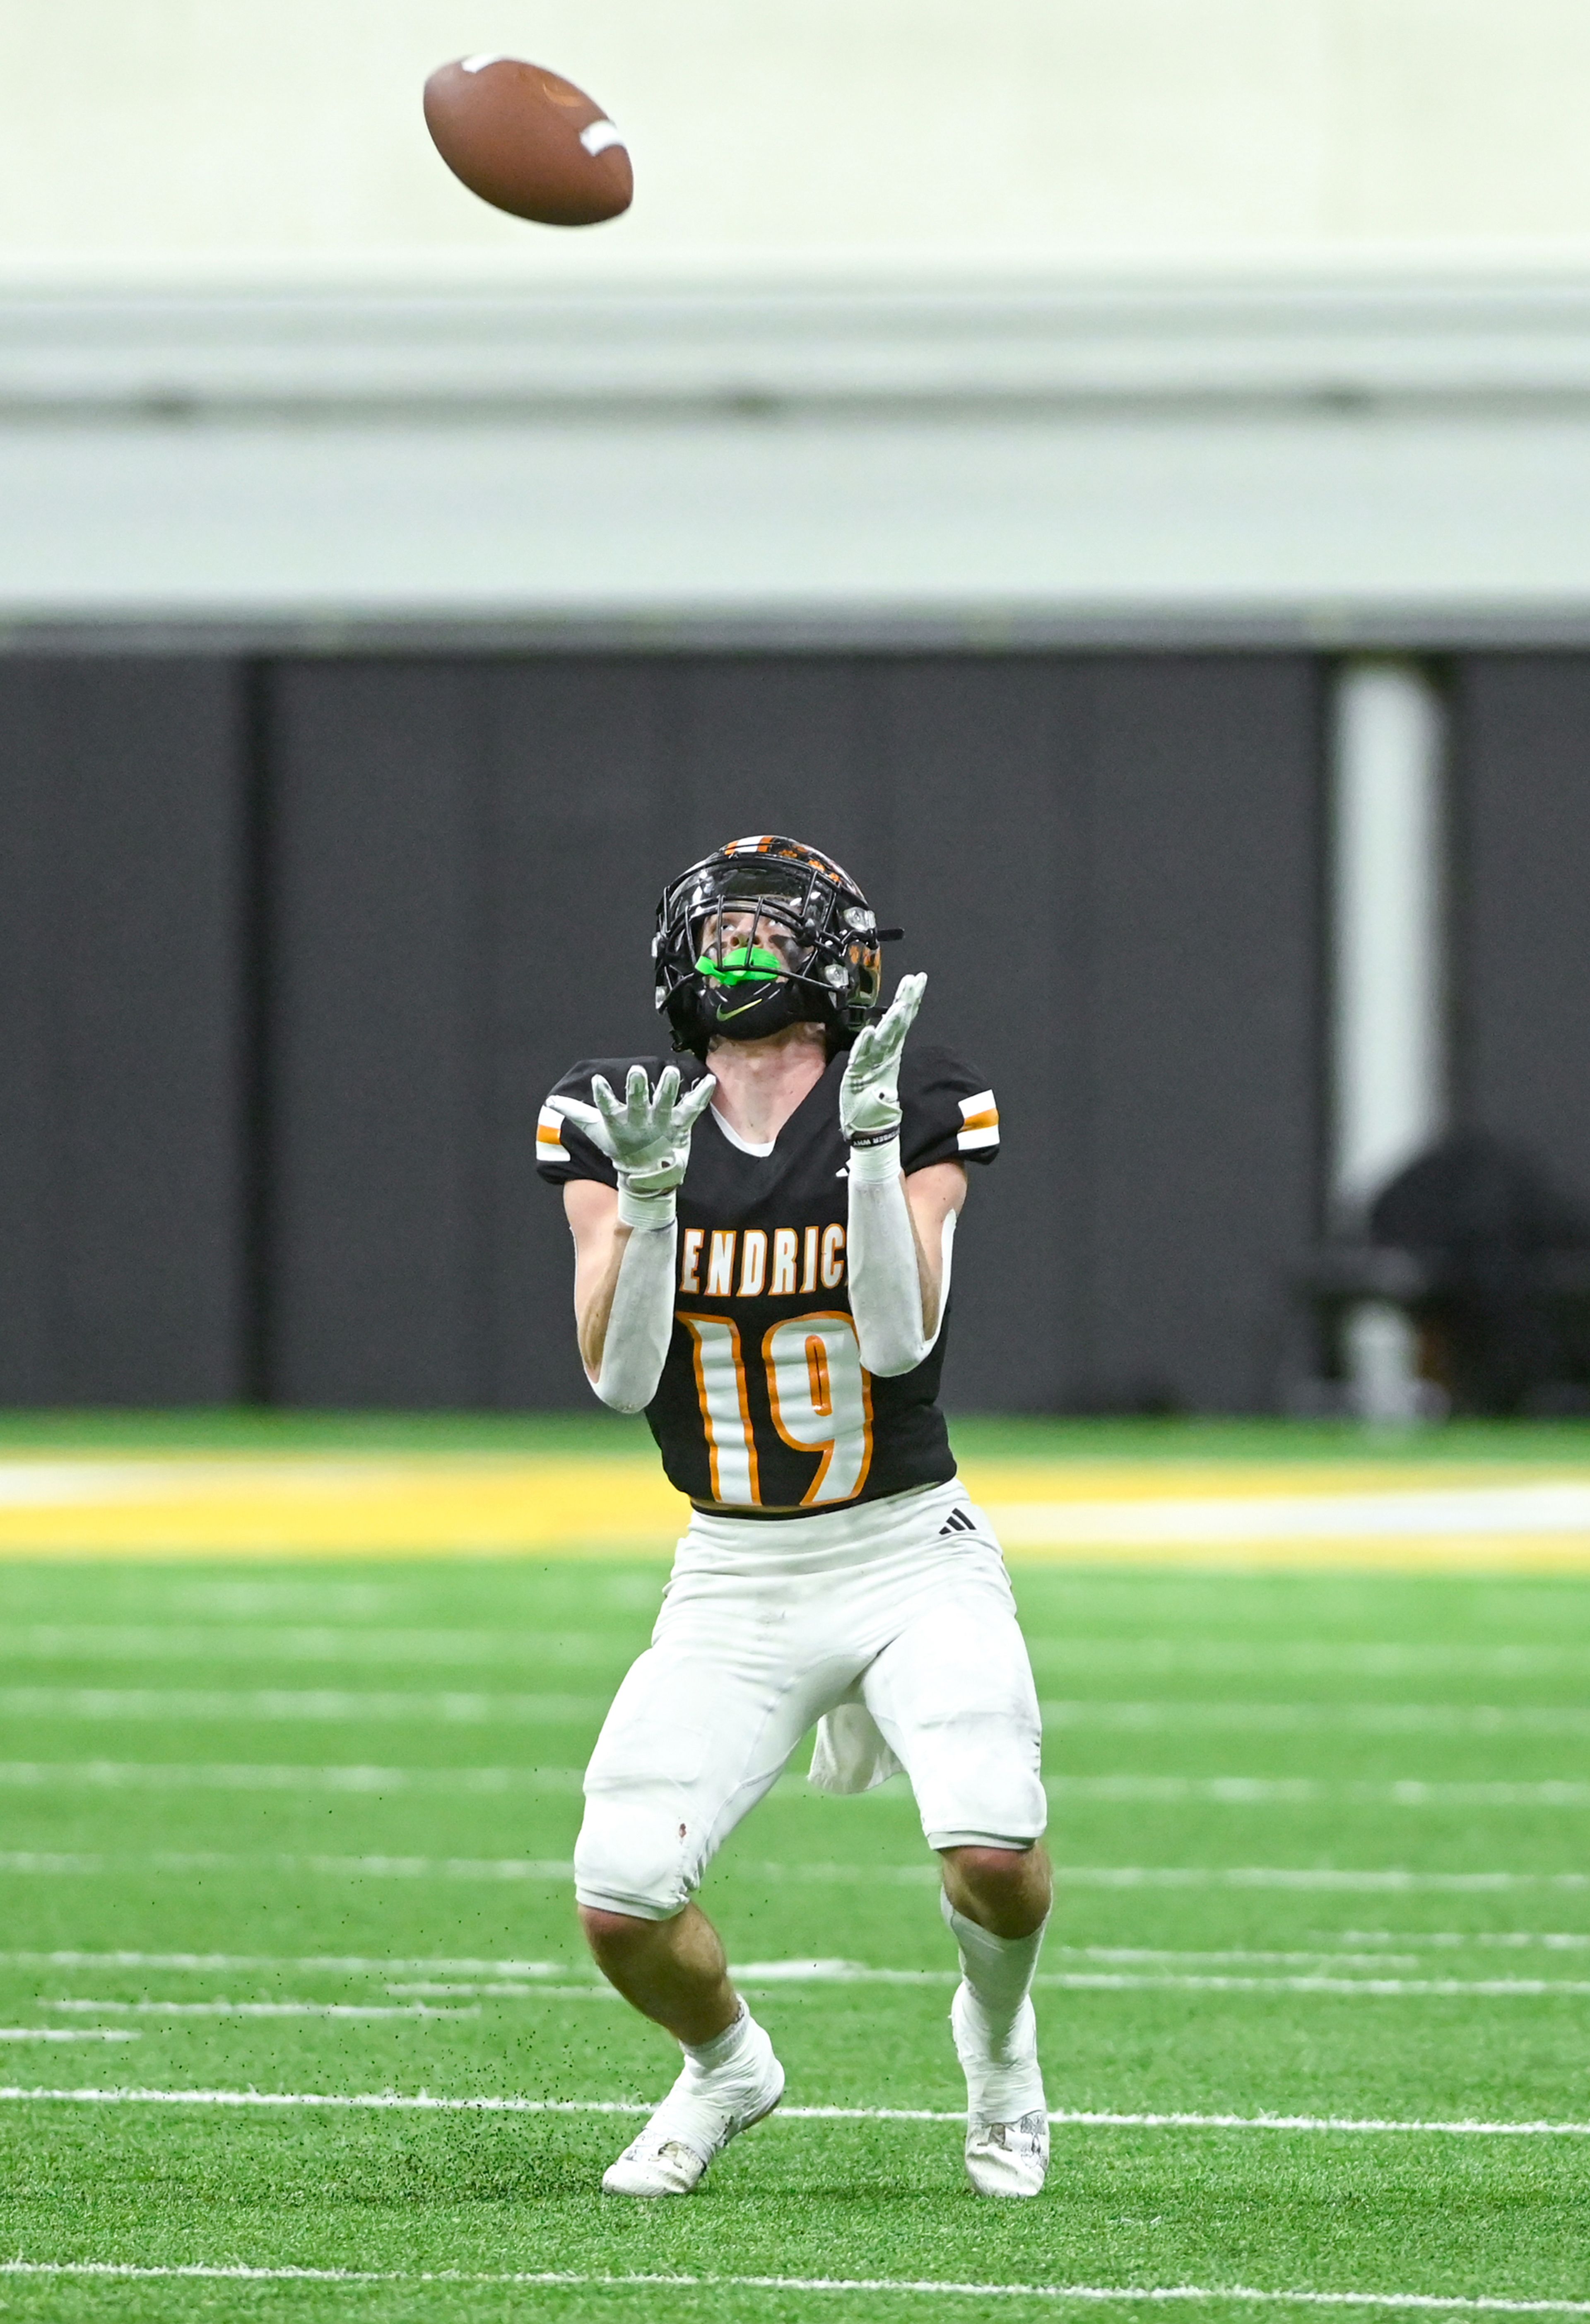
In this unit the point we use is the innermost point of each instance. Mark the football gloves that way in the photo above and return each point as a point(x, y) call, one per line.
point(869, 1093)
point(645, 1134)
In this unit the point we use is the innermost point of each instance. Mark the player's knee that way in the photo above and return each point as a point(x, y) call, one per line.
point(991, 1871)
point(616, 1936)
point(1007, 1890)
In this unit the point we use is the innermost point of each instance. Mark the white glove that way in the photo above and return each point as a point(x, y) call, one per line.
point(869, 1093)
point(645, 1134)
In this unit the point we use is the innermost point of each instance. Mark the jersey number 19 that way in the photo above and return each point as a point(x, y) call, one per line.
point(819, 1397)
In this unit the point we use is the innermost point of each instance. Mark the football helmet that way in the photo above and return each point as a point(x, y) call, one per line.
point(763, 934)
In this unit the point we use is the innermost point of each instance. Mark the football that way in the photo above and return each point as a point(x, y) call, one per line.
point(528, 142)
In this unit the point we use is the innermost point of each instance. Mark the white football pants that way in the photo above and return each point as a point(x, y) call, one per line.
point(767, 1626)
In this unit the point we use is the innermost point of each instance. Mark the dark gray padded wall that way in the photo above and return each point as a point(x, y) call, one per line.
point(1203, 1005)
point(122, 1188)
point(1522, 922)
point(990, 768)
point(578, 783)
point(464, 855)
point(1107, 866)
point(381, 1255)
point(467, 858)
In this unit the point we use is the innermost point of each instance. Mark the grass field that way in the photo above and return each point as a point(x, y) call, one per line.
point(283, 1833)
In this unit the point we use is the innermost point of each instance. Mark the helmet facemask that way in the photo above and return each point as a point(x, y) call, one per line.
point(754, 955)
point(763, 936)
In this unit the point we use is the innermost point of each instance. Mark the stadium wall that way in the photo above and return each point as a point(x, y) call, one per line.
point(393, 898)
point(994, 429)
point(296, 946)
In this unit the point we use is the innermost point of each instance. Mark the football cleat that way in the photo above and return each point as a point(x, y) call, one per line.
point(696, 2122)
point(1007, 2116)
point(1009, 2158)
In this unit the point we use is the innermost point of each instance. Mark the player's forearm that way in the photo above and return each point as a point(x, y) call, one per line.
point(596, 1279)
point(625, 1326)
point(896, 1281)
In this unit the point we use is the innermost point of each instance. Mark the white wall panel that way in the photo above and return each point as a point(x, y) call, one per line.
point(1317, 520)
point(918, 134)
point(1239, 450)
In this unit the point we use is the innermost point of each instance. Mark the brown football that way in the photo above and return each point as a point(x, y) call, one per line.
point(527, 141)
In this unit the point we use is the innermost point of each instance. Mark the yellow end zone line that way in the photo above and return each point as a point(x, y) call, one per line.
point(1472, 1516)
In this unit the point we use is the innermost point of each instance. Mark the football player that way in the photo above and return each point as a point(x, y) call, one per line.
point(762, 1241)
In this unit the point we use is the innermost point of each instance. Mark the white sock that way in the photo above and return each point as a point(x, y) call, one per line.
point(723, 2049)
point(999, 1971)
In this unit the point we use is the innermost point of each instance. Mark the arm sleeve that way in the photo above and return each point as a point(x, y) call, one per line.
point(641, 1324)
point(948, 1115)
point(885, 1281)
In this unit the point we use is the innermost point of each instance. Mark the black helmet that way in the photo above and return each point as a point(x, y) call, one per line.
point(826, 970)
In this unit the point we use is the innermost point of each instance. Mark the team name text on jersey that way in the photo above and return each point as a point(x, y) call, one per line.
point(774, 1263)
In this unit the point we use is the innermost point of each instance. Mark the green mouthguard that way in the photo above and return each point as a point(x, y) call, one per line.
point(753, 965)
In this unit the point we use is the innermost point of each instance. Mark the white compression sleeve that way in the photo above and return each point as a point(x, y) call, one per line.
point(1001, 2058)
point(885, 1281)
point(640, 1322)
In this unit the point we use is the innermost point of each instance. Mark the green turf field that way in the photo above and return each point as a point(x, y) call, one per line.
point(302, 1831)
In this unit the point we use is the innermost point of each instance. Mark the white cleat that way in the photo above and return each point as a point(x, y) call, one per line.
point(696, 2122)
point(1007, 2115)
point(1009, 2158)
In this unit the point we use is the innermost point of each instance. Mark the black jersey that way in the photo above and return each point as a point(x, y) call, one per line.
point(763, 1407)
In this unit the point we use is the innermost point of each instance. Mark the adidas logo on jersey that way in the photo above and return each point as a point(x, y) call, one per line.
point(959, 1522)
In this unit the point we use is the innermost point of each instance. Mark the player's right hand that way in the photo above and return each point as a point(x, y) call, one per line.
point(646, 1133)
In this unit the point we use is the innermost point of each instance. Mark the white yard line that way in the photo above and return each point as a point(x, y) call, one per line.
point(754, 1980)
point(556, 1871)
point(1183, 2294)
point(206, 1644)
point(223, 2008)
point(1308, 1792)
point(426, 2102)
point(550, 2279)
point(1553, 1505)
point(363, 1647)
point(1133, 1968)
point(64, 2034)
point(1393, 1881)
point(1222, 1791)
point(30, 1859)
point(513, 1979)
point(184, 1775)
point(757, 1975)
point(330, 1964)
point(1396, 1880)
point(1509, 1939)
point(277, 1705)
point(1494, 1987)
point(1305, 1718)
point(1191, 1652)
point(283, 1703)
point(1169, 1958)
point(586, 1992)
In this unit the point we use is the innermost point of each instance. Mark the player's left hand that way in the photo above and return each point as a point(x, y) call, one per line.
point(869, 1093)
point(646, 1133)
